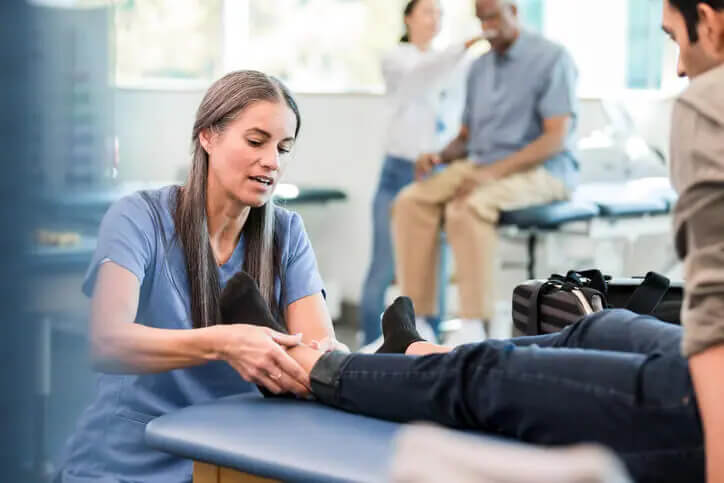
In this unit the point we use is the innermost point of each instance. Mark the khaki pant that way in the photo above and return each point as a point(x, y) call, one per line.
point(470, 224)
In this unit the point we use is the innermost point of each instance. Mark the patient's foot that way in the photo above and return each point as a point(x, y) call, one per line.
point(398, 327)
point(242, 303)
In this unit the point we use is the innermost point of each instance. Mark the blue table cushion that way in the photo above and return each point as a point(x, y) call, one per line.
point(283, 439)
point(549, 216)
point(638, 197)
point(622, 209)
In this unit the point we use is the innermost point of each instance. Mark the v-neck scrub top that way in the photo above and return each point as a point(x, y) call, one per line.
point(108, 444)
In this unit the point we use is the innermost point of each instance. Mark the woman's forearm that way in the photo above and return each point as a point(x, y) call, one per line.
point(136, 348)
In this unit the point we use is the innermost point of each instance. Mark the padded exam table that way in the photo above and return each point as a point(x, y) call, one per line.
point(250, 438)
point(247, 438)
point(628, 210)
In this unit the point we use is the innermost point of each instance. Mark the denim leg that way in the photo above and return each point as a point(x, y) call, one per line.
point(641, 406)
point(613, 330)
point(624, 331)
point(382, 268)
point(396, 174)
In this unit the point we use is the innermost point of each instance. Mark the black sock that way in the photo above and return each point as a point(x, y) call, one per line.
point(398, 327)
point(242, 303)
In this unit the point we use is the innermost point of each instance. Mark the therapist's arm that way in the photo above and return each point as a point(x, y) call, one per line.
point(706, 370)
point(406, 80)
point(118, 345)
point(309, 316)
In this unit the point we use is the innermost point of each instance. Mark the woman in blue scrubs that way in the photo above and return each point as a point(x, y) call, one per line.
point(162, 259)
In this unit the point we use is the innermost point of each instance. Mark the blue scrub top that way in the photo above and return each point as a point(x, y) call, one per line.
point(108, 444)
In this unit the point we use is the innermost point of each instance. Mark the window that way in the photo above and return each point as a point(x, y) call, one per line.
point(617, 44)
point(164, 42)
point(336, 45)
point(322, 45)
point(531, 14)
point(645, 44)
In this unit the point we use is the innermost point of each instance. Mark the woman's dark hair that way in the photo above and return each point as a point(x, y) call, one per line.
point(407, 12)
point(223, 102)
point(691, 16)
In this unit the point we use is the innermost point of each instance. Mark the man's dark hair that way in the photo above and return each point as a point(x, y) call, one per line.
point(691, 16)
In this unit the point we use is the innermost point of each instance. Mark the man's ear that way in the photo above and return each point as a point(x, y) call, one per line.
point(711, 27)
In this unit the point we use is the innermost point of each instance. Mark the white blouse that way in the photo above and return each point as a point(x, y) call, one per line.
point(416, 82)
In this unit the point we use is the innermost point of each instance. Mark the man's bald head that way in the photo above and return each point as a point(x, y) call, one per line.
point(500, 22)
point(494, 3)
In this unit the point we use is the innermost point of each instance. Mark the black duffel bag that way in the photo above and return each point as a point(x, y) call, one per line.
point(546, 306)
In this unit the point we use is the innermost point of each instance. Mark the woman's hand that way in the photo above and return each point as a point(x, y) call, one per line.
point(258, 354)
point(329, 344)
point(473, 41)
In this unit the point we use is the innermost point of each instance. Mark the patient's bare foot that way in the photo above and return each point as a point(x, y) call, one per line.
point(422, 348)
point(305, 356)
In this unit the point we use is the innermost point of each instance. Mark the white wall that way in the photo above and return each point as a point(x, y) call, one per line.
point(339, 146)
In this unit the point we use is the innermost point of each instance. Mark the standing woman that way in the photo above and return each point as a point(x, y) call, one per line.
point(163, 256)
point(415, 77)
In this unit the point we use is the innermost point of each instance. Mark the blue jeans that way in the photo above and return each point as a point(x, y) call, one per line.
point(616, 378)
point(396, 174)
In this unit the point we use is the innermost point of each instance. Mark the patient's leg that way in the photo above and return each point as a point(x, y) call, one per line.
point(641, 406)
point(613, 330)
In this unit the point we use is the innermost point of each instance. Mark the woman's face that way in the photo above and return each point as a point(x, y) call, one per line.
point(247, 157)
point(424, 21)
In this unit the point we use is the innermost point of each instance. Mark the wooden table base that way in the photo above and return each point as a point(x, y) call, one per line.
point(208, 473)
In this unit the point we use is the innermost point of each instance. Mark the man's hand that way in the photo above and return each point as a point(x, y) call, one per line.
point(482, 175)
point(425, 163)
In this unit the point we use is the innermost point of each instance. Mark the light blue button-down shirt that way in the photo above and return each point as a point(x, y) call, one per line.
point(509, 96)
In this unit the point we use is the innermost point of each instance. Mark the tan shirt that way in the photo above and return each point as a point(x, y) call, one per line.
point(697, 172)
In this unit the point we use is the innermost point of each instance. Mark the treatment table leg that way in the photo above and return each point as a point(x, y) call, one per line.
point(208, 473)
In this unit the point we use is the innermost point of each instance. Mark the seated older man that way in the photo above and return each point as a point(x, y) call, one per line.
point(513, 150)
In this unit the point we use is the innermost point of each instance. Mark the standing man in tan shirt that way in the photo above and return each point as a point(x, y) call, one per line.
point(697, 171)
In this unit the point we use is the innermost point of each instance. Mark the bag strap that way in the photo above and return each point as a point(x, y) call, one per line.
point(583, 301)
point(533, 326)
point(649, 294)
point(596, 278)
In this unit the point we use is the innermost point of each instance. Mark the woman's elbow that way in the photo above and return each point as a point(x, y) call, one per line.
point(102, 356)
